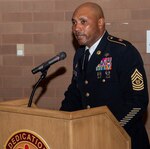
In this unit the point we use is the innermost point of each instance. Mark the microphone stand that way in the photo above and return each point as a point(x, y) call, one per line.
point(42, 77)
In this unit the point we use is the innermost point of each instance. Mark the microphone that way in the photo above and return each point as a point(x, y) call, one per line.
point(47, 64)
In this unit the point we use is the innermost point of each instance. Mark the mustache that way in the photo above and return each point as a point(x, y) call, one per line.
point(79, 34)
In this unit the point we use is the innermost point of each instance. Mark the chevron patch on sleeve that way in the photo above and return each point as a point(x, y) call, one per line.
point(137, 81)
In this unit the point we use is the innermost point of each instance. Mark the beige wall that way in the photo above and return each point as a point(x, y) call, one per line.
point(44, 27)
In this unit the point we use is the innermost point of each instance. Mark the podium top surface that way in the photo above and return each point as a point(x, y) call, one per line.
point(20, 106)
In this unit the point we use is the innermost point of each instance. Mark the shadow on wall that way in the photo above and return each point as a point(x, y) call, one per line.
point(47, 80)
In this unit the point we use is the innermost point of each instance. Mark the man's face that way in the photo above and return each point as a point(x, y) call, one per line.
point(85, 26)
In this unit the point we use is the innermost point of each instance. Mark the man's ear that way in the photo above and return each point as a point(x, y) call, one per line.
point(101, 23)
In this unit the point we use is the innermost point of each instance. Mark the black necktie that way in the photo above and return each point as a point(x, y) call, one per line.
point(86, 59)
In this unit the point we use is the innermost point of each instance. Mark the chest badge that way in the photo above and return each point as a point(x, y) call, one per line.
point(104, 68)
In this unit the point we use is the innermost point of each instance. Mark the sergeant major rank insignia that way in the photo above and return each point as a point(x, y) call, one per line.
point(137, 81)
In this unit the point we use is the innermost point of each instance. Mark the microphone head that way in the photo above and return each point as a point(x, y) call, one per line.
point(62, 55)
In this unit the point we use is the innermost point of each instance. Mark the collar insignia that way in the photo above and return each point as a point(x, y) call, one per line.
point(98, 52)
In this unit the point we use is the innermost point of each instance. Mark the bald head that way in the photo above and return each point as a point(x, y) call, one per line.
point(93, 8)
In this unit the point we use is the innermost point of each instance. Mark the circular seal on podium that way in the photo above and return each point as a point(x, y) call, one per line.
point(25, 139)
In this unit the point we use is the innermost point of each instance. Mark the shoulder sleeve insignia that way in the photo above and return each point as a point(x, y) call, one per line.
point(116, 40)
point(137, 81)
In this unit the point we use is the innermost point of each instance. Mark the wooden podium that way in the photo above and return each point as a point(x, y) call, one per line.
point(94, 128)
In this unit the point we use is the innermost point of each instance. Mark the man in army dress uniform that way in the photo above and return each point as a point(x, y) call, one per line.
point(114, 75)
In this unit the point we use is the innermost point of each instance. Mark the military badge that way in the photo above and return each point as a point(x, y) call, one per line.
point(137, 81)
point(99, 74)
point(107, 73)
point(98, 67)
point(106, 64)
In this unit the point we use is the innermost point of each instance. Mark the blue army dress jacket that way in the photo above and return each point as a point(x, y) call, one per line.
point(115, 78)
